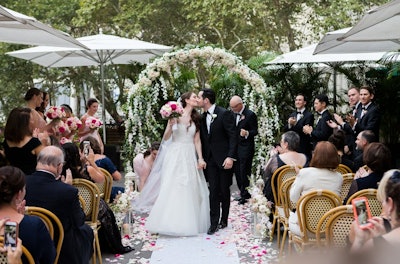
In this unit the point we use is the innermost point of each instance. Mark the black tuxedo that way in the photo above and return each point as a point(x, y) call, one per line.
point(245, 150)
point(217, 145)
point(370, 120)
point(62, 199)
point(305, 140)
point(322, 131)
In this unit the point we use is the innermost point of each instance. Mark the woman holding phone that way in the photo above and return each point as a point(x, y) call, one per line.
point(31, 229)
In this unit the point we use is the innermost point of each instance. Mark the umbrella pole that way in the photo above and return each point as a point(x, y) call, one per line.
point(103, 108)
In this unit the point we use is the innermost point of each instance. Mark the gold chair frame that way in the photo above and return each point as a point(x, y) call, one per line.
point(348, 179)
point(106, 186)
point(310, 208)
point(288, 206)
point(90, 194)
point(343, 169)
point(25, 252)
point(50, 220)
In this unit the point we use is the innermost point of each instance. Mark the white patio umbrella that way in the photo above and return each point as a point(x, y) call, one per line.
point(330, 43)
point(103, 50)
point(381, 23)
point(21, 29)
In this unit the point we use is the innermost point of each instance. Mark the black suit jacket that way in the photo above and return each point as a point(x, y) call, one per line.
point(305, 140)
point(43, 190)
point(221, 142)
point(322, 131)
point(370, 120)
point(248, 121)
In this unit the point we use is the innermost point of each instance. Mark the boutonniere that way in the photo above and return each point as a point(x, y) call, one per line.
point(301, 116)
point(242, 117)
point(213, 116)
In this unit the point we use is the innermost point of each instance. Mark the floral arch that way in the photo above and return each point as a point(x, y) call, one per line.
point(158, 83)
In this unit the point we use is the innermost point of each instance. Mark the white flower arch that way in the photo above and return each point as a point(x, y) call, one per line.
point(156, 83)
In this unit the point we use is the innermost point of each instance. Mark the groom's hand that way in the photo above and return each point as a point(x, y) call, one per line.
point(228, 163)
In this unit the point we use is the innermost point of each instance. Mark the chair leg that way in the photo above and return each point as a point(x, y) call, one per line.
point(96, 251)
point(278, 230)
point(273, 227)
point(283, 240)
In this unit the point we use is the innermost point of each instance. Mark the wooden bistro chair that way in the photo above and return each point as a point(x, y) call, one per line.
point(343, 169)
point(281, 174)
point(347, 181)
point(106, 186)
point(310, 208)
point(334, 227)
point(25, 253)
point(53, 224)
point(374, 204)
point(91, 196)
point(288, 206)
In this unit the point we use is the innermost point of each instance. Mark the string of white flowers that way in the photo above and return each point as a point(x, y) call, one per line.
point(156, 81)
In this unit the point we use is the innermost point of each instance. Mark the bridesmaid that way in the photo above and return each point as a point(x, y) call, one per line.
point(91, 107)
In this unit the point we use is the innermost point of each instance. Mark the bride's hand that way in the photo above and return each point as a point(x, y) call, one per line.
point(201, 164)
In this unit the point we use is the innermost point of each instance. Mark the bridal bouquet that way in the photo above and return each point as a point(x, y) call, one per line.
point(74, 123)
point(55, 112)
point(93, 122)
point(171, 109)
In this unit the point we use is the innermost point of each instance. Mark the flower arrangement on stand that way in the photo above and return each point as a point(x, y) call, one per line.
point(261, 209)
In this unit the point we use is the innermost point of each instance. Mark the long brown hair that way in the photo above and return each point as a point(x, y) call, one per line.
point(325, 156)
point(194, 115)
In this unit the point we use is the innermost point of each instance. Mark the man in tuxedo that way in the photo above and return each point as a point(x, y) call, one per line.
point(297, 120)
point(219, 144)
point(246, 129)
point(322, 130)
point(44, 189)
point(367, 115)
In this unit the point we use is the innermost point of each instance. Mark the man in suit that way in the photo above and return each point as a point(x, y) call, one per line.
point(246, 129)
point(297, 120)
point(44, 189)
point(367, 115)
point(219, 144)
point(322, 130)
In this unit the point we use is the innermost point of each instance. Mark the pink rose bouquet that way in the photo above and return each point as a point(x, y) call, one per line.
point(64, 140)
point(74, 123)
point(171, 109)
point(62, 128)
point(55, 112)
point(93, 122)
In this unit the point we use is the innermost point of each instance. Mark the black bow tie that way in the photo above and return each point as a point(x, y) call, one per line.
point(238, 114)
point(364, 108)
point(320, 114)
point(208, 113)
point(299, 112)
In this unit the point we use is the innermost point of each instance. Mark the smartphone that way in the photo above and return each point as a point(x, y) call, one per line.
point(362, 212)
point(86, 145)
point(11, 234)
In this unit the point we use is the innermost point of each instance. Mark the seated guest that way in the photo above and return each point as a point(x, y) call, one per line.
point(109, 234)
point(13, 255)
point(20, 146)
point(338, 139)
point(320, 175)
point(290, 142)
point(363, 139)
point(377, 158)
point(143, 162)
point(379, 238)
point(32, 230)
point(44, 190)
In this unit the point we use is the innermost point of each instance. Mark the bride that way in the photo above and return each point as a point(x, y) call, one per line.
point(181, 207)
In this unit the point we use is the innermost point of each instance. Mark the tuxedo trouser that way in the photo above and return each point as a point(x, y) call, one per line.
point(242, 174)
point(219, 181)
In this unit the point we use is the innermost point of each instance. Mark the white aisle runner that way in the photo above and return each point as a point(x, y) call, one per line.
point(201, 249)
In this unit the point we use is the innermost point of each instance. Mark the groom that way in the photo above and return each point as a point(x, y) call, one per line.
point(219, 143)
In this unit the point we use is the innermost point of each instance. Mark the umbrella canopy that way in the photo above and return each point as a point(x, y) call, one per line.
point(103, 50)
point(330, 44)
point(378, 24)
point(305, 55)
point(21, 29)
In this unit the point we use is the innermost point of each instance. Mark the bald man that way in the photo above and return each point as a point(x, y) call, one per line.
point(246, 129)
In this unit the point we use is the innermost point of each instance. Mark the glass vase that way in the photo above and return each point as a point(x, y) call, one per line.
point(258, 227)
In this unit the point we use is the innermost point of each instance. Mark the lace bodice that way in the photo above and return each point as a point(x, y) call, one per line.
point(183, 133)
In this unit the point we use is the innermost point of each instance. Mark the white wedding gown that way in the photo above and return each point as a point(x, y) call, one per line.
point(182, 206)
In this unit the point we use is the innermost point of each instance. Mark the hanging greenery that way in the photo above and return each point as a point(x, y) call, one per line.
point(190, 69)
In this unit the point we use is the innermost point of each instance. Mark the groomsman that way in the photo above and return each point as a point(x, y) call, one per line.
point(367, 115)
point(219, 143)
point(322, 130)
point(246, 129)
point(297, 120)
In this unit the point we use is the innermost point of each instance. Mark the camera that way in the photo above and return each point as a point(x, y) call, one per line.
point(86, 145)
point(361, 212)
point(11, 234)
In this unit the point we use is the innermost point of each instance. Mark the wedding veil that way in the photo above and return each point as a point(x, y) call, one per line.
point(147, 197)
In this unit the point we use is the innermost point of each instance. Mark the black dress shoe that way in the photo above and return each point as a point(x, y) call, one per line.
point(242, 201)
point(237, 198)
point(222, 225)
point(126, 250)
point(212, 230)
